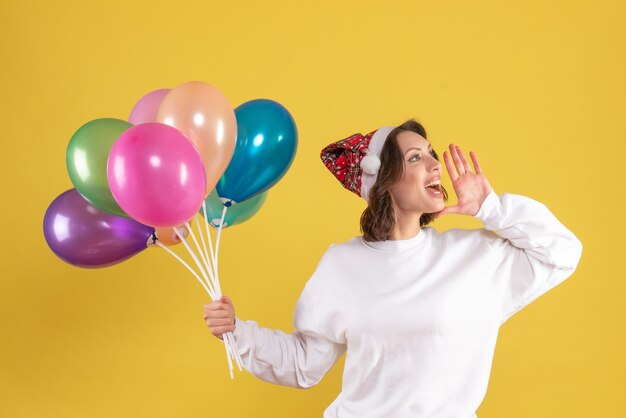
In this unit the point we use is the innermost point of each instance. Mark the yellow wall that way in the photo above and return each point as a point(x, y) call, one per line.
point(536, 88)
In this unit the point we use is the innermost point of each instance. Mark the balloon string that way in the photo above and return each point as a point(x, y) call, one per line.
point(206, 224)
point(237, 357)
point(219, 232)
point(195, 258)
point(204, 274)
point(204, 260)
point(228, 354)
point(211, 293)
point(204, 247)
point(157, 242)
point(229, 335)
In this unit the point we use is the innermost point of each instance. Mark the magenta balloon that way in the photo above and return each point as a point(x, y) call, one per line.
point(156, 175)
point(147, 107)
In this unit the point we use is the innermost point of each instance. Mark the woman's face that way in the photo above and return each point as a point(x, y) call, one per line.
point(410, 193)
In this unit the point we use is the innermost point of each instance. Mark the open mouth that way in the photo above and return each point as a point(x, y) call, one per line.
point(434, 188)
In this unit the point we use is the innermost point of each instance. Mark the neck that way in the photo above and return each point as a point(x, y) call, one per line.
point(407, 226)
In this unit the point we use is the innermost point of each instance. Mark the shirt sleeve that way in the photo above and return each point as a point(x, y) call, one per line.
point(530, 252)
point(299, 359)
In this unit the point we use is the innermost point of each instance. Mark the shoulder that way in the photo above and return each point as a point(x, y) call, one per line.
point(343, 248)
point(337, 255)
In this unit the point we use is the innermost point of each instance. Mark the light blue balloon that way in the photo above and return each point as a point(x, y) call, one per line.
point(267, 140)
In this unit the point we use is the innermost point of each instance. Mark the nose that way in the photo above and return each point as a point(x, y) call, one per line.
point(435, 165)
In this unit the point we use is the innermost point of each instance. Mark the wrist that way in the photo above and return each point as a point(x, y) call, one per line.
point(489, 202)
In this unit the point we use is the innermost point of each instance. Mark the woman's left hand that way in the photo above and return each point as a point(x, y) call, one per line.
point(471, 188)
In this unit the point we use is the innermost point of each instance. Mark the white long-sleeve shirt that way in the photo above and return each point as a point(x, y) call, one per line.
point(418, 317)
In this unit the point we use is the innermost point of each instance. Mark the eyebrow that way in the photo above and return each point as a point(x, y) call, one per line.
point(419, 149)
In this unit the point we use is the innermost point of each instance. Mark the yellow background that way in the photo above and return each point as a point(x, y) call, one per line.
point(537, 89)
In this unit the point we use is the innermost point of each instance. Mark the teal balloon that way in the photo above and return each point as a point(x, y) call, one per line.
point(267, 139)
point(235, 214)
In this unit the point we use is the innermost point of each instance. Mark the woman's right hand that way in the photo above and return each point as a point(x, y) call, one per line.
point(220, 316)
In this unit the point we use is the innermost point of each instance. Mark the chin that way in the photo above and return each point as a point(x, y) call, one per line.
point(422, 204)
point(436, 208)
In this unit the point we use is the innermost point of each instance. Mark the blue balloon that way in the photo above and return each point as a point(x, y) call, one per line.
point(267, 140)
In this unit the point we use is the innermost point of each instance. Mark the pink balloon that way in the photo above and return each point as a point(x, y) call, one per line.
point(156, 175)
point(147, 107)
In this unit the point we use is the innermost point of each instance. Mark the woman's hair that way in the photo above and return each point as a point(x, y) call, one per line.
point(378, 220)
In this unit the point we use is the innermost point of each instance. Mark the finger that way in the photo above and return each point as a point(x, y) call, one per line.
point(450, 167)
point(466, 166)
point(217, 314)
point(457, 161)
point(215, 306)
point(476, 163)
point(217, 331)
point(447, 211)
point(225, 299)
point(208, 311)
point(215, 322)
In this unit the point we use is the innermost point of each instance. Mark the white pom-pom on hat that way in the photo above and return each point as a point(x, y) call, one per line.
point(370, 164)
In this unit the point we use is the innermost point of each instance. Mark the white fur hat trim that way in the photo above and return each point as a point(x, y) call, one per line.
point(371, 162)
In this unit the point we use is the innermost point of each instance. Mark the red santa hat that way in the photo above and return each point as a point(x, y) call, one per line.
point(355, 160)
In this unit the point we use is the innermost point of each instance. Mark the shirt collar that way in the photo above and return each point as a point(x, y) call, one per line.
point(399, 245)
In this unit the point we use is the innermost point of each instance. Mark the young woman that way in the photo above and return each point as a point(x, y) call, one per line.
point(417, 311)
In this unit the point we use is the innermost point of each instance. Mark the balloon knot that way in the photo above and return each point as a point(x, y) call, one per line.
point(152, 239)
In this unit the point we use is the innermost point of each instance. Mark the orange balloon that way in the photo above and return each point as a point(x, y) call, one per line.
point(167, 236)
point(205, 116)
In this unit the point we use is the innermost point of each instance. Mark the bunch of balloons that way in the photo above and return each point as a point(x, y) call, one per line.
point(140, 183)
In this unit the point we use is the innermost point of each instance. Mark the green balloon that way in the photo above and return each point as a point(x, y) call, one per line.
point(235, 214)
point(87, 155)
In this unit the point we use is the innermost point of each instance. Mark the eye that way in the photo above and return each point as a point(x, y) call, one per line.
point(415, 156)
